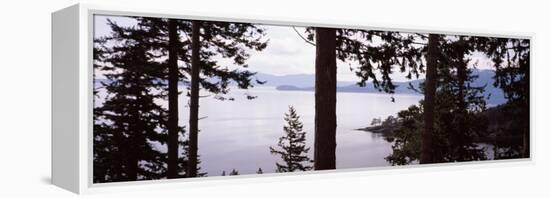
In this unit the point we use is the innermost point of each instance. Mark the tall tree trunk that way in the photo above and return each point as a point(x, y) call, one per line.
point(429, 99)
point(325, 99)
point(132, 153)
point(173, 128)
point(135, 130)
point(526, 129)
point(132, 164)
point(461, 73)
point(194, 103)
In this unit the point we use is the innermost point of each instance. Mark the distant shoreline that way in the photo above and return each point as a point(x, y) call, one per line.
point(345, 89)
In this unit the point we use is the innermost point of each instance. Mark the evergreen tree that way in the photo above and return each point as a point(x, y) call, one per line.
point(292, 146)
point(194, 101)
point(234, 172)
point(511, 58)
point(406, 140)
point(129, 120)
point(173, 117)
point(462, 120)
point(456, 113)
point(164, 37)
point(228, 40)
point(218, 39)
point(459, 110)
point(259, 171)
point(373, 51)
point(429, 98)
point(106, 163)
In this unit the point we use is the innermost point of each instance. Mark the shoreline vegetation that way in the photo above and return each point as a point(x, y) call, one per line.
point(494, 115)
point(499, 129)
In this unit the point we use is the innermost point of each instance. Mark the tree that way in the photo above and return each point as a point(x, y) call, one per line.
point(463, 120)
point(407, 51)
point(216, 39)
point(106, 163)
point(406, 139)
point(372, 50)
point(194, 102)
point(429, 98)
point(460, 116)
point(511, 58)
point(292, 146)
point(229, 40)
point(173, 79)
point(259, 171)
point(325, 99)
point(457, 112)
point(451, 143)
point(376, 121)
point(506, 126)
point(165, 42)
point(234, 172)
point(164, 39)
point(129, 119)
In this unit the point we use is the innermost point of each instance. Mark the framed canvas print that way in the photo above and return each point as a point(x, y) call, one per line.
point(147, 97)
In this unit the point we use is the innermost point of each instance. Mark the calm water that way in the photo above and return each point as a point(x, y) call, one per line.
point(237, 134)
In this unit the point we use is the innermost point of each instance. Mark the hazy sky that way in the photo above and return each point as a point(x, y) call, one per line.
point(285, 54)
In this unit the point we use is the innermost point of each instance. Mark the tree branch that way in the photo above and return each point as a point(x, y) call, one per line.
point(307, 41)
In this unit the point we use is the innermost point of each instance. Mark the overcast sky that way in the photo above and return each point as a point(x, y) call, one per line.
point(286, 52)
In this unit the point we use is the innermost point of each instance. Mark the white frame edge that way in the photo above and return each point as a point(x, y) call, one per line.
point(72, 101)
point(65, 104)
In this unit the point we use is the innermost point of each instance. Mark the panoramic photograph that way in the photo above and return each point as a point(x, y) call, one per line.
point(178, 98)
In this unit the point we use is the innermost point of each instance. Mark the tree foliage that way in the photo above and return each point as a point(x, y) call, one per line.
point(458, 122)
point(129, 122)
point(218, 39)
point(511, 58)
point(379, 54)
point(292, 146)
point(234, 172)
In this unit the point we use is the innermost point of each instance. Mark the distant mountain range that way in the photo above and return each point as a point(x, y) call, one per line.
point(298, 80)
point(306, 82)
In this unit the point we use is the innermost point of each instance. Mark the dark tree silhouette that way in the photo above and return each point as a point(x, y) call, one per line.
point(234, 172)
point(129, 120)
point(467, 100)
point(325, 99)
point(170, 38)
point(292, 146)
point(194, 102)
point(372, 50)
point(229, 40)
point(107, 166)
point(457, 107)
point(429, 98)
point(461, 74)
point(164, 38)
point(173, 79)
point(511, 58)
point(259, 171)
point(451, 142)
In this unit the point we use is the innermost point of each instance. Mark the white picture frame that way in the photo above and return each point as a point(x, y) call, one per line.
point(72, 101)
